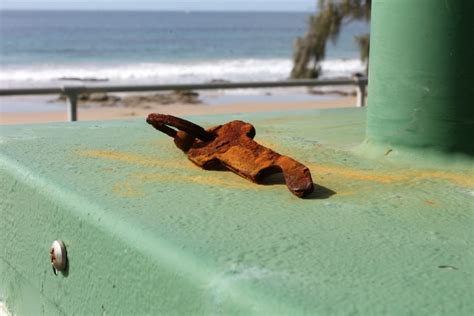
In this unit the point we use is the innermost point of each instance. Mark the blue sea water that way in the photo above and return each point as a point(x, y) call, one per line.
point(45, 47)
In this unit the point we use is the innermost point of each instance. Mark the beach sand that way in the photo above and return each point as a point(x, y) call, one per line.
point(110, 113)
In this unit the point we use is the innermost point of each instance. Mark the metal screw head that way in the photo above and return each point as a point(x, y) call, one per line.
point(58, 256)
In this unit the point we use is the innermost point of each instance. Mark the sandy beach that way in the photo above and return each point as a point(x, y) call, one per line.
point(111, 113)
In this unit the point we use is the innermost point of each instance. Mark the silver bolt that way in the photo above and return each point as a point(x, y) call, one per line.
point(58, 256)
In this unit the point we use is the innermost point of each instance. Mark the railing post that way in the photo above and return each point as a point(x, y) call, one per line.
point(72, 107)
point(71, 99)
point(361, 91)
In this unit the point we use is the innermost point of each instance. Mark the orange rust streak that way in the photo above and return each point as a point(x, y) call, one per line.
point(388, 177)
point(211, 180)
point(465, 180)
point(360, 175)
point(127, 189)
point(131, 159)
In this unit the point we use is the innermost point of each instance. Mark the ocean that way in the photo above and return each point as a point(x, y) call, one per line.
point(50, 48)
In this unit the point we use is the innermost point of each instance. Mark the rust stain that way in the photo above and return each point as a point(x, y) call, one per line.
point(131, 159)
point(464, 180)
point(389, 177)
point(133, 185)
point(329, 171)
point(211, 180)
point(360, 175)
point(126, 189)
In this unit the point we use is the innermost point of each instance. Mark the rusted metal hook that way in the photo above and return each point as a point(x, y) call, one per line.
point(187, 131)
point(231, 145)
point(162, 121)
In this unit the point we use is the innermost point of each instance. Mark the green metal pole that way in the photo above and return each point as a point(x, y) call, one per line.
point(421, 76)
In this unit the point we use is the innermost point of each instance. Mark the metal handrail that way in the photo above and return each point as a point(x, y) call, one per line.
point(72, 92)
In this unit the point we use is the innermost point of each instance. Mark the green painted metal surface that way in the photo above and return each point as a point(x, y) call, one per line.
point(421, 82)
point(148, 232)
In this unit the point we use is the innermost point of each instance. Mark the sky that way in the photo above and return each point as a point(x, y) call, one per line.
point(181, 5)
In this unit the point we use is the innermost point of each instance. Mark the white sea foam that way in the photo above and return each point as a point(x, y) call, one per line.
point(333, 68)
point(160, 73)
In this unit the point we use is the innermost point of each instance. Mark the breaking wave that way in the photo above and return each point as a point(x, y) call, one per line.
point(165, 73)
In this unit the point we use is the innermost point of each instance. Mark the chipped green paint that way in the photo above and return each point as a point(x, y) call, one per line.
point(421, 82)
point(148, 232)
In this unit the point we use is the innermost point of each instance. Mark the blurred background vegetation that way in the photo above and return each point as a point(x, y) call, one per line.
point(326, 25)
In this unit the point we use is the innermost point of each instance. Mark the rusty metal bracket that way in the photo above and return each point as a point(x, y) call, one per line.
point(232, 146)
